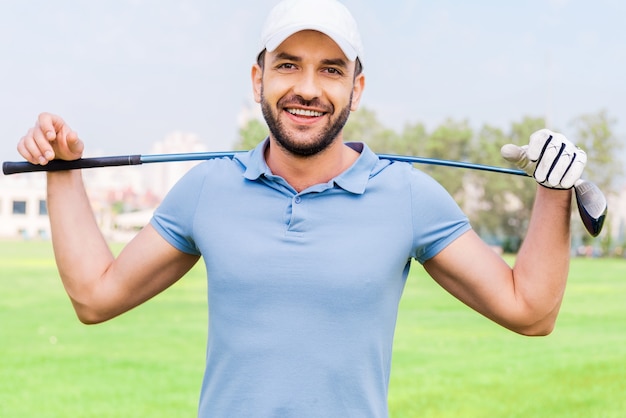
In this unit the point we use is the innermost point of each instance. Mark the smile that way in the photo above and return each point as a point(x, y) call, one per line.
point(303, 112)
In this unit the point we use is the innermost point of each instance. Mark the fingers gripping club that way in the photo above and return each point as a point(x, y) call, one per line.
point(560, 164)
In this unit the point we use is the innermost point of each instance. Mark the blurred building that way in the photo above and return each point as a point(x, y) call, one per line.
point(23, 211)
point(160, 177)
point(616, 218)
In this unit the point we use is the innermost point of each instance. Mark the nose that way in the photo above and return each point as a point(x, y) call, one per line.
point(308, 85)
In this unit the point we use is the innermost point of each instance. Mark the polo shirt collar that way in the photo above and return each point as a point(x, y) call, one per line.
point(353, 180)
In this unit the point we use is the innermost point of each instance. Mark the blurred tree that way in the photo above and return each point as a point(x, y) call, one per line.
point(594, 133)
point(364, 126)
point(518, 195)
point(414, 140)
point(250, 134)
point(451, 140)
point(491, 206)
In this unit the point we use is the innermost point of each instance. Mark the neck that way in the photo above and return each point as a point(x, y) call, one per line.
point(303, 172)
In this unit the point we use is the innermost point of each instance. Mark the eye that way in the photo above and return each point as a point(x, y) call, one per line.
point(287, 66)
point(333, 71)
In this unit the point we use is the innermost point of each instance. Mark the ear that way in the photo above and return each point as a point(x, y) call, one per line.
point(257, 82)
point(357, 91)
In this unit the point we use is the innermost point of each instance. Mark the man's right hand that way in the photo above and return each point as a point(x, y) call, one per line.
point(51, 138)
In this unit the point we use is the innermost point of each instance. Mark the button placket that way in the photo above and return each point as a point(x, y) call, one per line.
point(297, 221)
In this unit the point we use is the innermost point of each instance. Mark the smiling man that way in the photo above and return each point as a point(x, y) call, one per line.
point(307, 86)
point(307, 239)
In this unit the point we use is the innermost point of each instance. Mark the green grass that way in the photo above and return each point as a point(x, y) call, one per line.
point(448, 361)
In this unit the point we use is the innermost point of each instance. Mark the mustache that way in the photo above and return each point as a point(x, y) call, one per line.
point(295, 99)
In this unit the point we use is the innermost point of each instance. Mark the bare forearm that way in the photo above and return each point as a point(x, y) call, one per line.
point(527, 298)
point(81, 252)
point(542, 264)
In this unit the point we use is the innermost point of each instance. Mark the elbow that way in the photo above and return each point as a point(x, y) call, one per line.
point(540, 328)
point(537, 321)
point(89, 319)
point(90, 316)
point(537, 331)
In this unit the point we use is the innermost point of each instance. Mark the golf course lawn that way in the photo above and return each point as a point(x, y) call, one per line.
point(448, 361)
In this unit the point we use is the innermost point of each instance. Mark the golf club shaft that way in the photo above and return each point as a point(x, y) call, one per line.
point(590, 200)
point(9, 167)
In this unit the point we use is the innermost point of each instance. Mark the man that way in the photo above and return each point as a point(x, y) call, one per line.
point(308, 240)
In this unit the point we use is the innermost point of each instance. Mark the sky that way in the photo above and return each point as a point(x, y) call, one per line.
point(127, 73)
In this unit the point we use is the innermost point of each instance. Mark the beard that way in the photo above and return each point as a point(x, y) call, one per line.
point(316, 143)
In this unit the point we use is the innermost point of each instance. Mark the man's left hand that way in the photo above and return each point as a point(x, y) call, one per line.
point(550, 158)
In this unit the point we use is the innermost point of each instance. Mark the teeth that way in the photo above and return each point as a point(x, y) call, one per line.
point(302, 112)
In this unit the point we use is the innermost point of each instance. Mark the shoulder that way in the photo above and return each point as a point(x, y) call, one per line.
point(405, 175)
point(214, 169)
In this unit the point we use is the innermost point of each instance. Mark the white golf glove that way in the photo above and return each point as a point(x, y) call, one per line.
point(550, 158)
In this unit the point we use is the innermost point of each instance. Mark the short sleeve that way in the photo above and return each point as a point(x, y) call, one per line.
point(174, 217)
point(437, 218)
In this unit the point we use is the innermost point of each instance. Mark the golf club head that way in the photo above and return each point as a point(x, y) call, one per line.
point(592, 206)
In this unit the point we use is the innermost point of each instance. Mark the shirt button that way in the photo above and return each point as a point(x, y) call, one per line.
point(298, 199)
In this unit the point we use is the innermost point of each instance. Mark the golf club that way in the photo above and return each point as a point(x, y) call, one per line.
point(591, 202)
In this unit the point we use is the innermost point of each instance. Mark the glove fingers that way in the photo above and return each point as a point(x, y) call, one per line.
point(549, 160)
point(537, 143)
point(561, 163)
point(560, 167)
point(575, 170)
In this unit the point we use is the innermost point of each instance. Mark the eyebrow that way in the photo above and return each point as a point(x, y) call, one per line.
point(336, 62)
point(287, 57)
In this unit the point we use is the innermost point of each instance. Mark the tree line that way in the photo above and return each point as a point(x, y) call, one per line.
point(497, 205)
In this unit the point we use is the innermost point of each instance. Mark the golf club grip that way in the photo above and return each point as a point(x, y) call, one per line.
point(9, 167)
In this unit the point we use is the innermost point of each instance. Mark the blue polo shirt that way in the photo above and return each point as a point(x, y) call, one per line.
point(303, 288)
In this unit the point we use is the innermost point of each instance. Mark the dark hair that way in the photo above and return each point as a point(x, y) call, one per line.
point(358, 67)
point(260, 59)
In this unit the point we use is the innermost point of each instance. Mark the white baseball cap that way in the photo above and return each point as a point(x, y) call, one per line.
point(330, 17)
